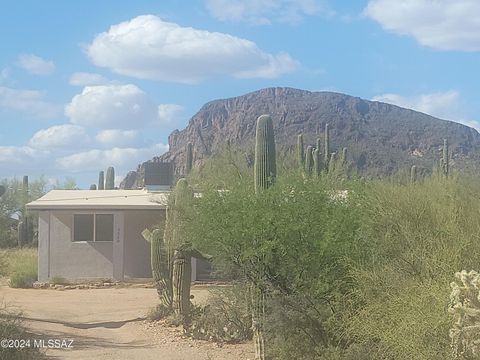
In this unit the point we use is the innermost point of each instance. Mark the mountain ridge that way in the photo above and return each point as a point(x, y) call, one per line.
point(381, 138)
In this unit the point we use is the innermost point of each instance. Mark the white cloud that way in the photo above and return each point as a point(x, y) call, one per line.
point(439, 24)
point(147, 47)
point(36, 65)
point(122, 159)
point(23, 160)
point(59, 136)
point(168, 113)
point(28, 101)
point(4, 74)
point(86, 79)
point(119, 138)
point(112, 106)
point(444, 105)
point(263, 12)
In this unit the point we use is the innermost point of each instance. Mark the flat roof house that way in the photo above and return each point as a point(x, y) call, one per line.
point(96, 234)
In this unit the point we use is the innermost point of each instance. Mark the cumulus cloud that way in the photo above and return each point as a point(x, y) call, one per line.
point(168, 113)
point(147, 47)
point(28, 101)
point(86, 79)
point(22, 160)
point(111, 106)
point(263, 12)
point(119, 138)
point(59, 136)
point(36, 65)
point(122, 159)
point(439, 24)
point(444, 105)
point(4, 73)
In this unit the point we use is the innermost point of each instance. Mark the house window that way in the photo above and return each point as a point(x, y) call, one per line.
point(93, 227)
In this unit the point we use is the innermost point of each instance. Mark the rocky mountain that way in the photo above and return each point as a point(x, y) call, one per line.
point(381, 138)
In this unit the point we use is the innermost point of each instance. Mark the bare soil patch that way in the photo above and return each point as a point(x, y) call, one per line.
point(109, 324)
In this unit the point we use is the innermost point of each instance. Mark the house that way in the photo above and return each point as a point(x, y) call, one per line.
point(96, 234)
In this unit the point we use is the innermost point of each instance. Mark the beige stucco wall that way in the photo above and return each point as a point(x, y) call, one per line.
point(68, 259)
point(128, 255)
point(137, 249)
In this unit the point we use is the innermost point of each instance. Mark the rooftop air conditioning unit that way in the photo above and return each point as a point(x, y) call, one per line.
point(158, 176)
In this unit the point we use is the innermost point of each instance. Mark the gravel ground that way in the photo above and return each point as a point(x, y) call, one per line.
point(109, 324)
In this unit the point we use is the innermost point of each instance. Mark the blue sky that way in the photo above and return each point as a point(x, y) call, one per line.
point(88, 84)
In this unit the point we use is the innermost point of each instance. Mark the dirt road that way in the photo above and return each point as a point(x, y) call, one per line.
point(109, 324)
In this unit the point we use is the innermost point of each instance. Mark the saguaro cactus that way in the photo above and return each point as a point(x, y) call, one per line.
point(25, 229)
point(101, 180)
point(3, 189)
point(161, 266)
point(182, 267)
point(264, 173)
point(265, 168)
point(343, 159)
point(309, 161)
point(331, 163)
point(300, 153)
point(189, 158)
point(413, 174)
point(110, 179)
point(445, 159)
point(327, 147)
point(317, 162)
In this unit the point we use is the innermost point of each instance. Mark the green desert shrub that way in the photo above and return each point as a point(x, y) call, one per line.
point(226, 318)
point(294, 239)
point(22, 267)
point(419, 234)
point(11, 328)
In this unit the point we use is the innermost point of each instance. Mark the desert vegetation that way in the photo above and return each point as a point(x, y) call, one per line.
point(332, 266)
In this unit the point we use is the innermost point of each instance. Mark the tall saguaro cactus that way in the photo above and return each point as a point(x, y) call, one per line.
point(189, 158)
point(101, 180)
point(300, 152)
point(25, 229)
point(309, 161)
point(317, 162)
point(445, 159)
point(110, 178)
point(161, 265)
point(413, 174)
point(327, 147)
point(265, 168)
point(182, 265)
point(264, 173)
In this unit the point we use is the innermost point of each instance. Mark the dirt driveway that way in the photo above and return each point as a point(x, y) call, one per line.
point(110, 324)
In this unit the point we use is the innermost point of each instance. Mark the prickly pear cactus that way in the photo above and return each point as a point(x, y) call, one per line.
point(465, 310)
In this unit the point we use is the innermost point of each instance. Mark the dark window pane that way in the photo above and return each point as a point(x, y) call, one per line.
point(83, 227)
point(104, 227)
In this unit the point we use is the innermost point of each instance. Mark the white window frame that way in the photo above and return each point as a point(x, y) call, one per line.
point(94, 214)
